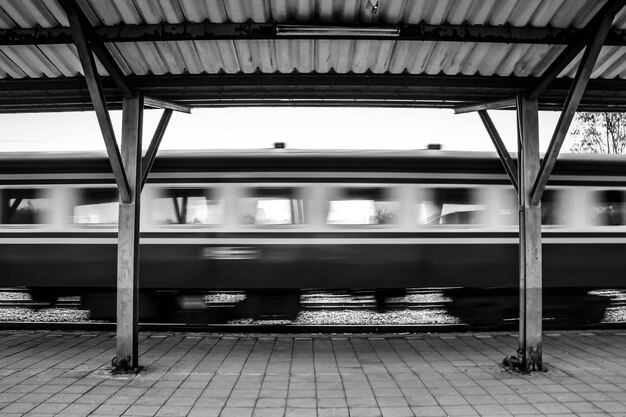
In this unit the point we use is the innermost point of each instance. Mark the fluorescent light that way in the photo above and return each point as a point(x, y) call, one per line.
point(337, 31)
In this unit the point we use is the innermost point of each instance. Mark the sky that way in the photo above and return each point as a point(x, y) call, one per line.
point(256, 128)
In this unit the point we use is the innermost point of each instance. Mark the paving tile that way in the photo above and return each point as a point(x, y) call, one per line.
point(444, 400)
point(35, 398)
point(268, 412)
point(459, 410)
point(552, 408)
point(421, 401)
point(121, 399)
point(431, 411)
point(48, 408)
point(110, 409)
point(333, 412)
point(608, 406)
point(142, 410)
point(330, 393)
point(204, 412)
point(236, 412)
point(391, 402)
point(352, 376)
point(480, 399)
point(78, 410)
point(331, 403)
point(173, 411)
point(240, 402)
point(181, 401)
point(520, 409)
point(491, 410)
point(64, 398)
point(270, 403)
point(19, 408)
point(396, 411)
point(301, 412)
point(210, 402)
point(301, 403)
point(582, 407)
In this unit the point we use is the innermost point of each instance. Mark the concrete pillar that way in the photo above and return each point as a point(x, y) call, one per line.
point(530, 326)
point(128, 238)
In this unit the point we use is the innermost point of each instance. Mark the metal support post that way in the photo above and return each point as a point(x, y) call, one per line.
point(530, 326)
point(128, 238)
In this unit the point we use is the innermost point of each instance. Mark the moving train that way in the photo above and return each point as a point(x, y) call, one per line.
point(273, 222)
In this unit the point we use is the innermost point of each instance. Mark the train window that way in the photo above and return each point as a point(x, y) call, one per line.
point(187, 206)
point(271, 206)
point(451, 206)
point(607, 208)
point(24, 207)
point(552, 208)
point(507, 210)
point(96, 206)
point(360, 206)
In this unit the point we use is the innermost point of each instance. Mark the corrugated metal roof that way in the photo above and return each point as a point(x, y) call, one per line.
point(304, 56)
point(285, 56)
point(244, 56)
point(536, 13)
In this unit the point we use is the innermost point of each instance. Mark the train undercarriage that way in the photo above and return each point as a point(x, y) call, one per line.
point(479, 308)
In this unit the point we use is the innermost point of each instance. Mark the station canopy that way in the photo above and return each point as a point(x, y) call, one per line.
point(208, 53)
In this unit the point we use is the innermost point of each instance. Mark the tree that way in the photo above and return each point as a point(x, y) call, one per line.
point(601, 133)
point(384, 216)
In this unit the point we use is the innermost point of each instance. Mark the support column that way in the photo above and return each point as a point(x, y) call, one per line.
point(128, 238)
point(530, 326)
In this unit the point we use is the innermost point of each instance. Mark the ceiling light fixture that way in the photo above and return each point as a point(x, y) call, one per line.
point(337, 31)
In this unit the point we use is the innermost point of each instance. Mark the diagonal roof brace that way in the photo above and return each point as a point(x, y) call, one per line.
point(573, 49)
point(88, 44)
point(71, 7)
point(509, 165)
point(148, 160)
point(97, 97)
point(574, 96)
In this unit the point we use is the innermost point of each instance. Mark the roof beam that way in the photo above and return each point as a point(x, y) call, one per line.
point(294, 89)
point(166, 105)
point(97, 98)
point(491, 105)
point(571, 103)
point(508, 163)
point(573, 49)
point(257, 31)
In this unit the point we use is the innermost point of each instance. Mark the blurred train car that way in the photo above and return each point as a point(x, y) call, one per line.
point(277, 221)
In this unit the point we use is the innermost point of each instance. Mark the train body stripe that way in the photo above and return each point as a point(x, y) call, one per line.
point(305, 241)
point(222, 176)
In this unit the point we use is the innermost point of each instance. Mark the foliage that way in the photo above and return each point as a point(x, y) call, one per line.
point(600, 133)
point(384, 216)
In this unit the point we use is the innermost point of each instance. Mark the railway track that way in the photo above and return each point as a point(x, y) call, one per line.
point(316, 305)
point(281, 328)
point(311, 301)
point(34, 304)
point(240, 328)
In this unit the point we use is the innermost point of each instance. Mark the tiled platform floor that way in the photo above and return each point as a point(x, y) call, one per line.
point(61, 373)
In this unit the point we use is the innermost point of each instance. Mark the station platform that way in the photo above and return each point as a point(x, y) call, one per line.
point(196, 374)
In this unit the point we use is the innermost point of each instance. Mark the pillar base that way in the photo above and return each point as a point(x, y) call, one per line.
point(520, 363)
point(124, 366)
